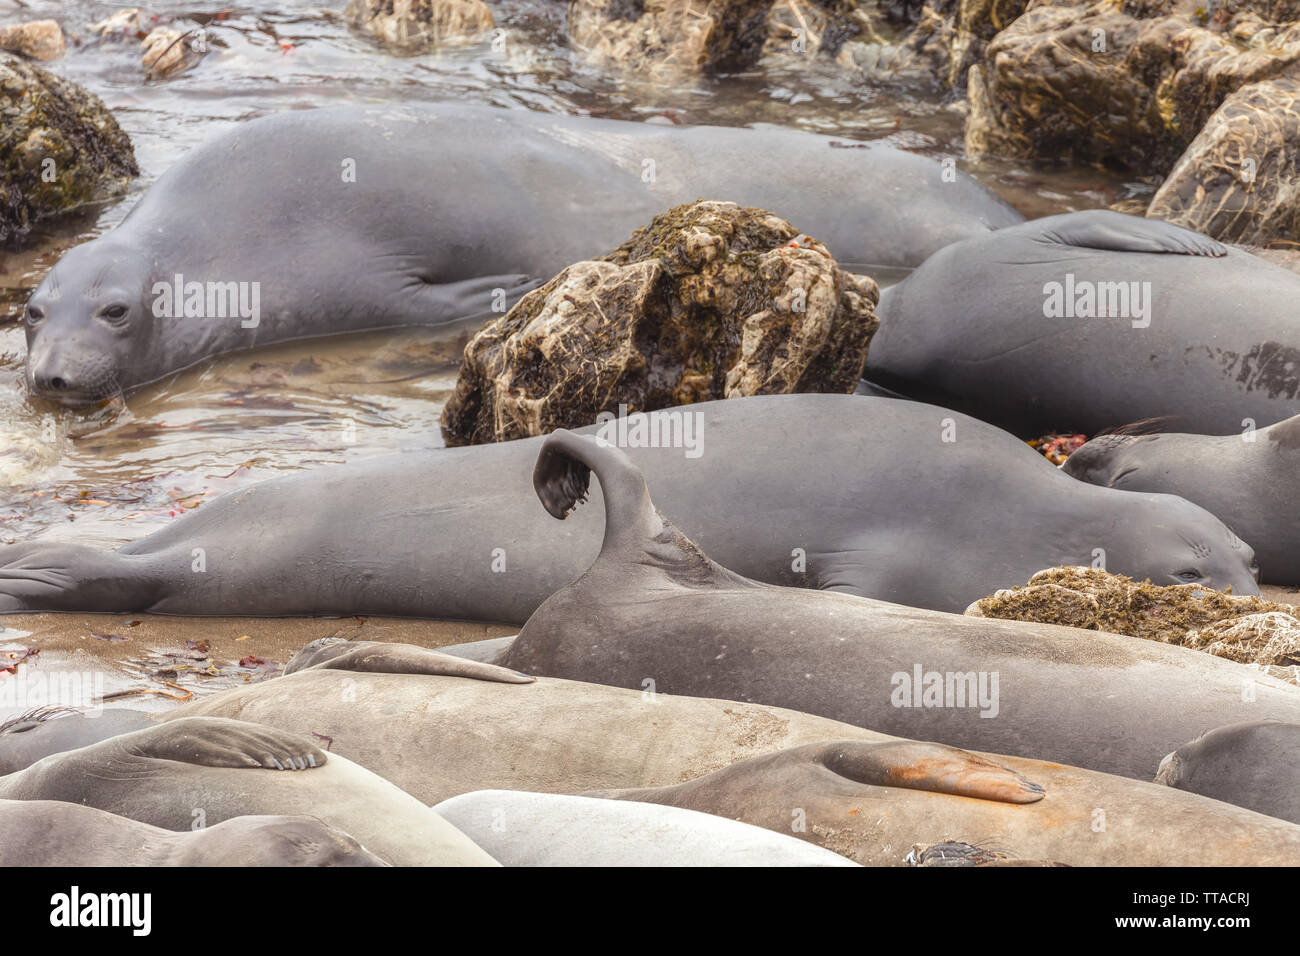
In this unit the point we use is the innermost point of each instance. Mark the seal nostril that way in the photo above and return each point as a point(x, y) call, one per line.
point(58, 384)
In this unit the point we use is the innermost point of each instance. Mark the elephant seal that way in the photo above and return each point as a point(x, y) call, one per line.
point(1250, 481)
point(1253, 765)
point(208, 769)
point(439, 736)
point(842, 795)
point(312, 222)
point(654, 610)
point(29, 737)
point(547, 829)
point(871, 496)
point(1092, 320)
point(50, 833)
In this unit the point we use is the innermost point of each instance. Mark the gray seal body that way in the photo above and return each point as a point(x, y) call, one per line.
point(654, 611)
point(881, 498)
point(312, 222)
point(1249, 480)
point(1094, 320)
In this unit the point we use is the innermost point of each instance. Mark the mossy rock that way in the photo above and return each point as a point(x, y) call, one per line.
point(1243, 628)
point(1238, 179)
point(418, 26)
point(667, 38)
point(60, 147)
point(1126, 86)
point(710, 300)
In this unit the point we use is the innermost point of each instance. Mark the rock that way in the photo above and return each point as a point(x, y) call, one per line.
point(1128, 85)
point(952, 853)
point(39, 39)
point(805, 28)
point(1247, 629)
point(711, 300)
point(1239, 180)
point(1270, 639)
point(169, 50)
point(59, 147)
point(417, 26)
point(1042, 602)
point(132, 24)
point(934, 42)
point(670, 37)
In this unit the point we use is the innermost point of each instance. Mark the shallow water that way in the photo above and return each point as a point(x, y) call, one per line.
point(113, 474)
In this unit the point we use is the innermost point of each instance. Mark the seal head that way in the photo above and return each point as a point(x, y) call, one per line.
point(88, 324)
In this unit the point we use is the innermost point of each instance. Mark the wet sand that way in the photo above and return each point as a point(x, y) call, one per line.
point(155, 662)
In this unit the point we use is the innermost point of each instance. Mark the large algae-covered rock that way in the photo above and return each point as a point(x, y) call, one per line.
point(1128, 85)
point(668, 37)
point(59, 146)
point(711, 300)
point(416, 26)
point(1243, 628)
point(1239, 180)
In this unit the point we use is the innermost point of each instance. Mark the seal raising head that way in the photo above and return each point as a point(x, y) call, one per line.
point(88, 325)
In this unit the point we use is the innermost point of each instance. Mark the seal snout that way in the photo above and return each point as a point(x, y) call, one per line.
point(70, 375)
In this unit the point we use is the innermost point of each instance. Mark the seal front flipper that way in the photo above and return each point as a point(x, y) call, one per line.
point(915, 765)
point(1103, 229)
point(442, 303)
point(221, 742)
point(377, 657)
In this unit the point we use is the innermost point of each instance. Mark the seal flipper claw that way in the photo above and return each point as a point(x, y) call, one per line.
point(378, 657)
point(1104, 229)
point(221, 742)
point(915, 765)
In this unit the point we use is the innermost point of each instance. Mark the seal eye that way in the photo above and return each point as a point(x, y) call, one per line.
point(34, 314)
point(1189, 575)
point(114, 313)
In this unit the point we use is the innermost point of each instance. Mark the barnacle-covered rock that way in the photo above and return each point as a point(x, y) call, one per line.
point(711, 300)
point(60, 146)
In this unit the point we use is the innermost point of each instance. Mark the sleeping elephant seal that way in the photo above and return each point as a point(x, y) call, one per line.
point(437, 736)
point(654, 610)
point(313, 222)
point(1250, 481)
point(1092, 320)
point(840, 791)
point(1254, 765)
point(29, 737)
point(893, 500)
point(204, 770)
point(547, 829)
point(51, 833)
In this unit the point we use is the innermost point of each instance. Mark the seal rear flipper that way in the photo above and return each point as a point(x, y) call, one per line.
point(914, 765)
point(636, 534)
point(562, 477)
point(1103, 229)
point(221, 742)
point(377, 657)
